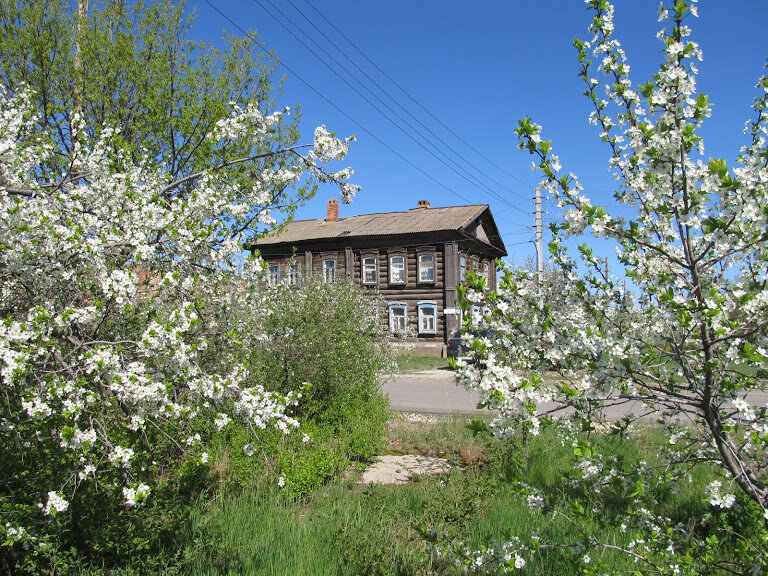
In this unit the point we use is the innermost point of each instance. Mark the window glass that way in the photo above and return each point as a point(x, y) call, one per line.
point(274, 274)
point(426, 268)
point(462, 268)
point(397, 317)
point(397, 270)
point(329, 270)
point(370, 275)
point(427, 318)
point(487, 273)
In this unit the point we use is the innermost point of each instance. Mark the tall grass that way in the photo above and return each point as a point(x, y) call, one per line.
point(347, 529)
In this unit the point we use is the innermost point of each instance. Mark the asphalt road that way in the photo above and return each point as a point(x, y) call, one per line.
point(436, 392)
point(431, 392)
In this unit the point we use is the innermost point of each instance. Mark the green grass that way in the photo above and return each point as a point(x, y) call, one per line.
point(419, 363)
point(347, 529)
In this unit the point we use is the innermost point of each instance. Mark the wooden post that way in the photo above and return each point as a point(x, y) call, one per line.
point(451, 280)
point(349, 262)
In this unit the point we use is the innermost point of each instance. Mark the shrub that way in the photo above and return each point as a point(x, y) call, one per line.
point(328, 340)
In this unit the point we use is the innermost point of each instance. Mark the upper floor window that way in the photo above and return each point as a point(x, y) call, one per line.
point(426, 267)
point(293, 273)
point(487, 273)
point(329, 270)
point(273, 274)
point(462, 268)
point(370, 273)
point(398, 321)
point(397, 270)
point(427, 317)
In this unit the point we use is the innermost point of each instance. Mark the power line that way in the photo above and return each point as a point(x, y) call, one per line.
point(388, 95)
point(404, 91)
point(465, 176)
point(335, 107)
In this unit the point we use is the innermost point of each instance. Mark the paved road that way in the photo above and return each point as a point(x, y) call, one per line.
point(431, 392)
point(435, 392)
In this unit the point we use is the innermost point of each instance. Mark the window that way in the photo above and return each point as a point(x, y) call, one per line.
point(427, 317)
point(293, 274)
point(477, 315)
point(487, 274)
point(329, 270)
point(398, 321)
point(462, 268)
point(273, 274)
point(397, 270)
point(426, 267)
point(370, 274)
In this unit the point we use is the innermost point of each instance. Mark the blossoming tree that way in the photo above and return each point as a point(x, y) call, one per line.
point(686, 346)
point(123, 290)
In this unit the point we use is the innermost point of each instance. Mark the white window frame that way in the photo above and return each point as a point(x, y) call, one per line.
point(392, 269)
point(427, 322)
point(392, 318)
point(273, 274)
point(294, 274)
point(487, 273)
point(365, 268)
point(431, 266)
point(329, 270)
point(462, 268)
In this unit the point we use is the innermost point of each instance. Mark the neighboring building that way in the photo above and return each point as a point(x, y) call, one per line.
point(415, 260)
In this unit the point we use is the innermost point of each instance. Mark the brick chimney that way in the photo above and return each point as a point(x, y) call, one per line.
point(332, 211)
point(423, 204)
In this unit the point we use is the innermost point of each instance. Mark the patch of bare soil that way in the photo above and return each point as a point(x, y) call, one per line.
point(391, 469)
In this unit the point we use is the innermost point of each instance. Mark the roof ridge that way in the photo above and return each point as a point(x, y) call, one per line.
point(409, 211)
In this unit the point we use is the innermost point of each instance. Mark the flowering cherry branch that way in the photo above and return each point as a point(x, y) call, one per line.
point(688, 341)
point(120, 298)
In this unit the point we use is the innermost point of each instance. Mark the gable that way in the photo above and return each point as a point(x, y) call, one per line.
point(480, 234)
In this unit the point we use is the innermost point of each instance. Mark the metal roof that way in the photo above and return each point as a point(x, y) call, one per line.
point(417, 220)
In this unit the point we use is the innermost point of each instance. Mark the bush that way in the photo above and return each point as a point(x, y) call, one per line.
point(328, 340)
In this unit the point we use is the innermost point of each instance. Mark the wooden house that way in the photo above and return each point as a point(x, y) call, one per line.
point(414, 259)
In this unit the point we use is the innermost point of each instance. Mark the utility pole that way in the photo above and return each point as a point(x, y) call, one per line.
point(539, 242)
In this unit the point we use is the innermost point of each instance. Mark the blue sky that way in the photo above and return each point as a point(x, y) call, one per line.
point(463, 77)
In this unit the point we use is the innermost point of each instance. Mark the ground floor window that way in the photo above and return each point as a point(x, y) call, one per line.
point(427, 317)
point(397, 317)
